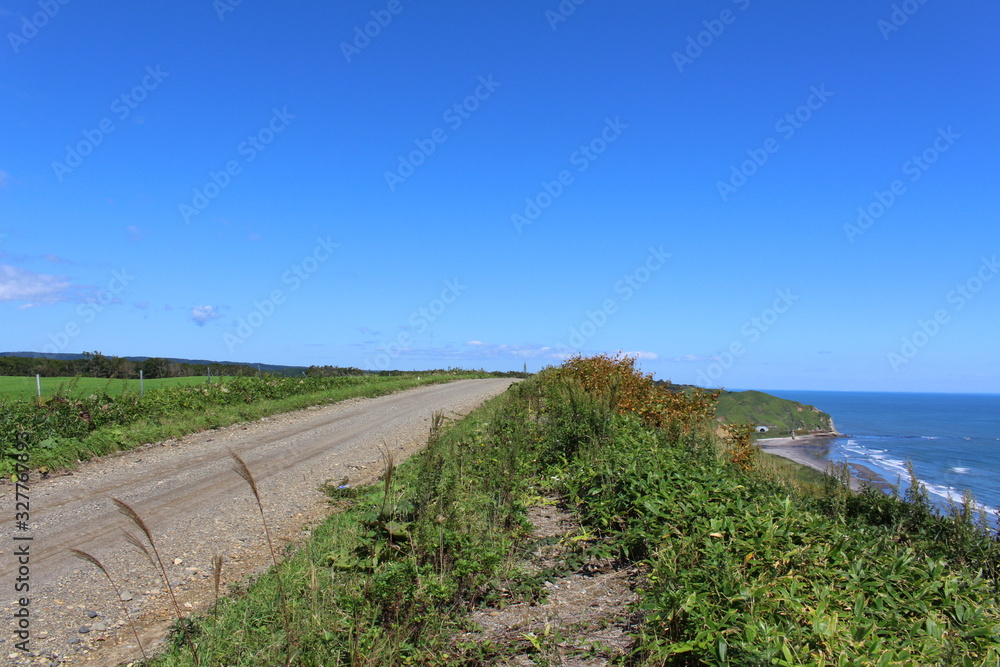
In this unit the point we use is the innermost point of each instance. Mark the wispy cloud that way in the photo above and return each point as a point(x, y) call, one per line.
point(477, 349)
point(696, 358)
point(204, 314)
point(18, 284)
point(4, 176)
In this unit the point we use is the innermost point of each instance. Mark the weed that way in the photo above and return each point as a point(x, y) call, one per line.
point(241, 469)
point(137, 520)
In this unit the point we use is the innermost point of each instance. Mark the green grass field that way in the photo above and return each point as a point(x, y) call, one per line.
point(24, 387)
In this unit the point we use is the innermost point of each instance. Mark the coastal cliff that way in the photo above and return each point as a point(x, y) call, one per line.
point(779, 416)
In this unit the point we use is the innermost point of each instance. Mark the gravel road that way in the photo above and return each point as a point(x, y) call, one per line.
point(196, 507)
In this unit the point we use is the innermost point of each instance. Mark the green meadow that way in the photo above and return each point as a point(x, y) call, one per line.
point(25, 387)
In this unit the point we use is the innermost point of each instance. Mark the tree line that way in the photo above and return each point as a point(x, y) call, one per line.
point(97, 365)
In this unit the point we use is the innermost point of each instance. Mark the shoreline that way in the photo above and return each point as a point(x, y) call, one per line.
point(811, 451)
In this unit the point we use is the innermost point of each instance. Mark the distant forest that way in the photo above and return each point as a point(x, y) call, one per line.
point(97, 365)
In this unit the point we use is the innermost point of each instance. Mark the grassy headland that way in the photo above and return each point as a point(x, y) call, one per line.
point(780, 416)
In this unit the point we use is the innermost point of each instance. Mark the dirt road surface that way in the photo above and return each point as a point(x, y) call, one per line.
point(196, 507)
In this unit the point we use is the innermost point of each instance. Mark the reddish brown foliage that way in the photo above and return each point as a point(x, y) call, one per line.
point(633, 392)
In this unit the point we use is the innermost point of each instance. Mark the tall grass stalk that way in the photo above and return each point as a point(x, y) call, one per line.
point(390, 467)
point(83, 555)
point(216, 575)
point(240, 468)
point(134, 517)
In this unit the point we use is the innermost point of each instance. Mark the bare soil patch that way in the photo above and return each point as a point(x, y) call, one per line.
point(585, 619)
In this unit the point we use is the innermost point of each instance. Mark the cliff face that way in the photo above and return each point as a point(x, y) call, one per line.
point(779, 415)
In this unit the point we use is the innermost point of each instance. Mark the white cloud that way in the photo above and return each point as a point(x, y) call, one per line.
point(203, 314)
point(643, 356)
point(24, 285)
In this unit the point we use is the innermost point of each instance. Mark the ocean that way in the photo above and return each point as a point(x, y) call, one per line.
point(952, 440)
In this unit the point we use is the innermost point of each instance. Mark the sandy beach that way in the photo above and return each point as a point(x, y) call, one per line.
point(811, 451)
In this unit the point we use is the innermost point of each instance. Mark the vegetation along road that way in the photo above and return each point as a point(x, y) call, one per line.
point(197, 508)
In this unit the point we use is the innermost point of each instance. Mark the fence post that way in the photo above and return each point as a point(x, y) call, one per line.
point(142, 383)
point(38, 384)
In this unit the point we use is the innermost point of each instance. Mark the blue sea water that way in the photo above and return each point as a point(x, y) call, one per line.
point(952, 440)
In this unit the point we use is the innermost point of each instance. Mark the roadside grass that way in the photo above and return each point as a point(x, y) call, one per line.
point(26, 388)
point(63, 430)
point(744, 567)
point(387, 580)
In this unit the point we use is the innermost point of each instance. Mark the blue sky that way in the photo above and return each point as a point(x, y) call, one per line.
point(745, 194)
